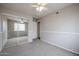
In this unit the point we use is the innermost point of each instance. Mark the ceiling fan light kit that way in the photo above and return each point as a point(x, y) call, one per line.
point(40, 6)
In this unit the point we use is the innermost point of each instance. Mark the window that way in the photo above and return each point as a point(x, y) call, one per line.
point(19, 27)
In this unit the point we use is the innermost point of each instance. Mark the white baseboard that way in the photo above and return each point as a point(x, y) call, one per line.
point(60, 46)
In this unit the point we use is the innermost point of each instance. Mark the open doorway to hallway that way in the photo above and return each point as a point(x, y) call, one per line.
point(38, 30)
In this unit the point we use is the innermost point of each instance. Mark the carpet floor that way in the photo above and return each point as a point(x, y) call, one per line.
point(16, 41)
point(36, 48)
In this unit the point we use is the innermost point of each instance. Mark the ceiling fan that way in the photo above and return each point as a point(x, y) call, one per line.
point(40, 6)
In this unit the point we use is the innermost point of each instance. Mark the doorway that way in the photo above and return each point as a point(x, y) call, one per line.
point(17, 33)
point(38, 30)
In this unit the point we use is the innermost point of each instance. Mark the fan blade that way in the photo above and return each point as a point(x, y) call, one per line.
point(35, 6)
point(39, 4)
point(43, 4)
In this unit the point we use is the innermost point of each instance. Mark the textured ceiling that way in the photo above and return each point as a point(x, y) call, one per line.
point(27, 8)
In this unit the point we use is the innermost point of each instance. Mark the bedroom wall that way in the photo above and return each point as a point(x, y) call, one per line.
point(3, 31)
point(0, 34)
point(35, 28)
point(62, 29)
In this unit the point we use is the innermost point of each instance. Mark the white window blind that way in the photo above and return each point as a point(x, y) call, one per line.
point(19, 27)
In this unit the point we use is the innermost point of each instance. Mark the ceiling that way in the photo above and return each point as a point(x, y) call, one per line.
point(27, 8)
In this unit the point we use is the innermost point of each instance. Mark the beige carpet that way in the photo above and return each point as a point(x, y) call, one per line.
point(36, 48)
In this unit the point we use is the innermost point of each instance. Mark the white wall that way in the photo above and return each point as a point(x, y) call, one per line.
point(3, 31)
point(0, 41)
point(0, 34)
point(34, 30)
point(30, 30)
point(0, 24)
point(62, 29)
